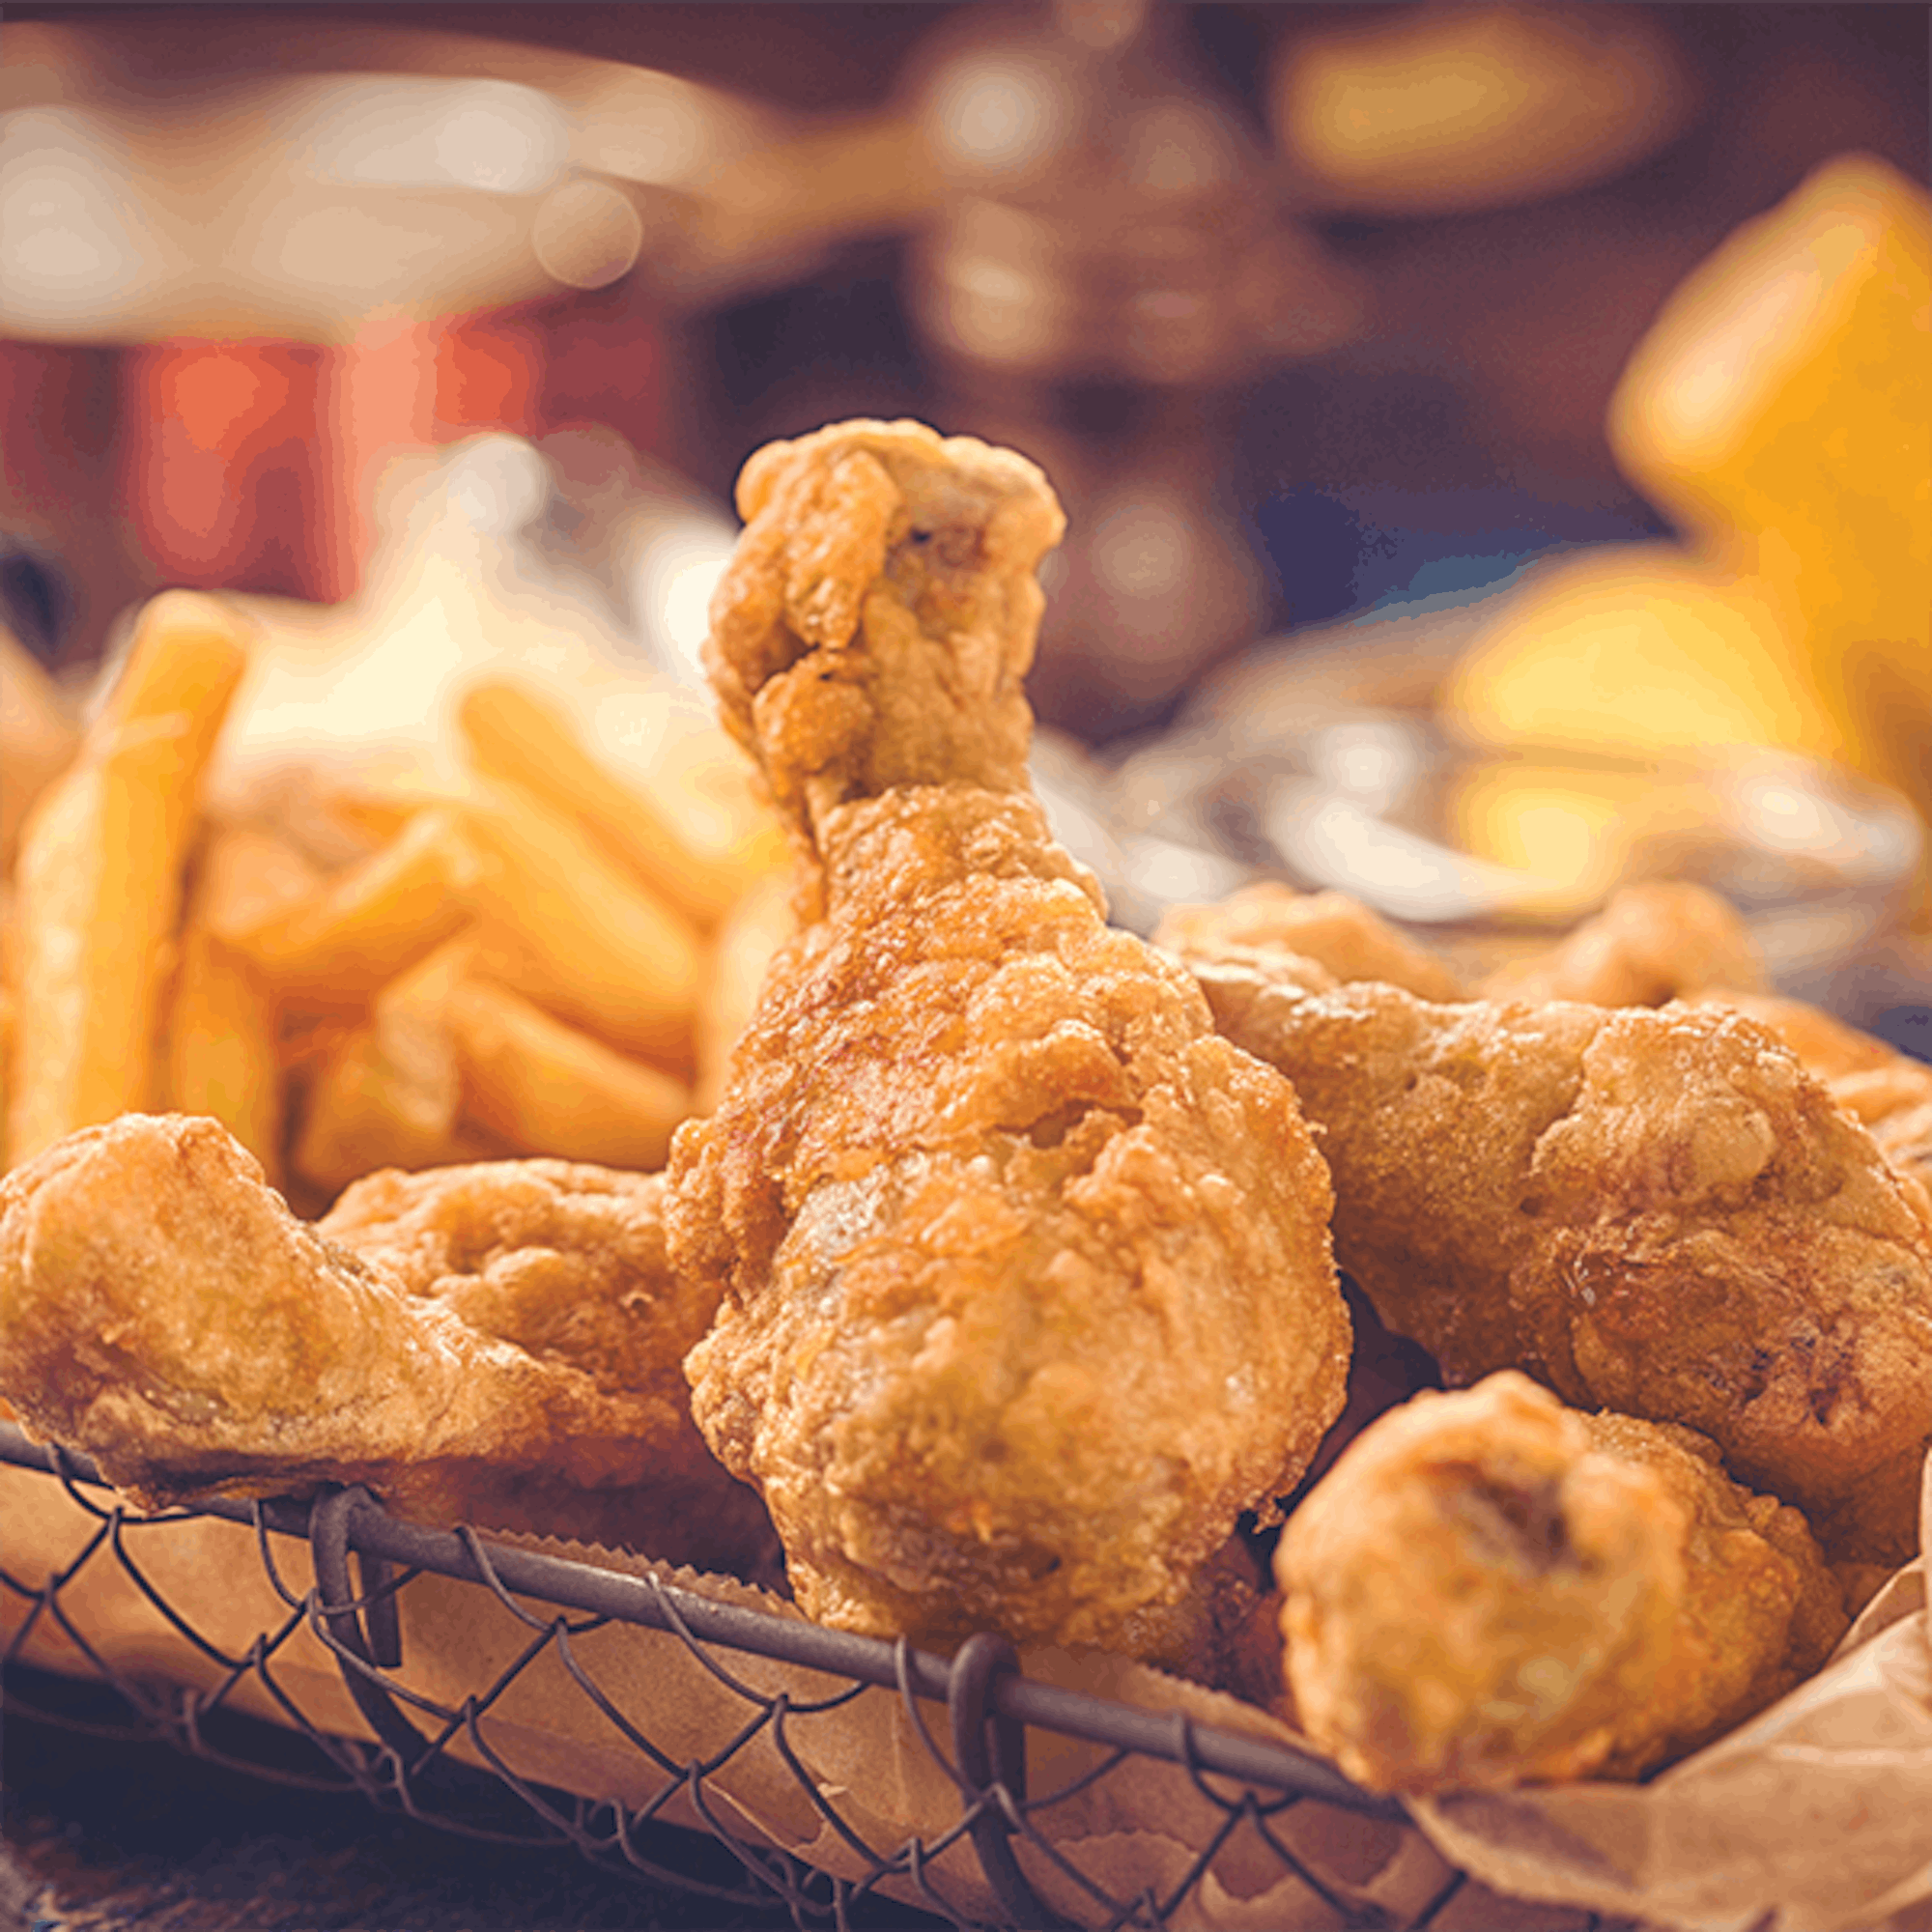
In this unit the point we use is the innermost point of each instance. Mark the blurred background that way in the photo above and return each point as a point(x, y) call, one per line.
point(1316, 316)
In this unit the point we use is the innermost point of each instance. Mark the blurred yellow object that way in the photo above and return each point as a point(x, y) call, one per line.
point(222, 1049)
point(1413, 111)
point(101, 861)
point(1590, 823)
point(248, 876)
point(1781, 409)
point(37, 737)
point(1785, 390)
point(1645, 646)
point(1542, 821)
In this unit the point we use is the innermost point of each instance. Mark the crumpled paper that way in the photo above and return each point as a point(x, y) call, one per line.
point(1814, 1817)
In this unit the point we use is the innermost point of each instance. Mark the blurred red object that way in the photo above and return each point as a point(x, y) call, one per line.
point(252, 465)
point(227, 465)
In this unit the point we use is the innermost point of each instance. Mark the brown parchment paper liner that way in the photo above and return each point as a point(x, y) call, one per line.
point(1818, 1812)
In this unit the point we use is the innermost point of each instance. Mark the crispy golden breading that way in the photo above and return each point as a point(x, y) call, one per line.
point(497, 1344)
point(1489, 1589)
point(1658, 1213)
point(1657, 941)
point(1205, 1635)
point(878, 619)
point(1888, 1093)
point(1025, 1274)
point(1350, 940)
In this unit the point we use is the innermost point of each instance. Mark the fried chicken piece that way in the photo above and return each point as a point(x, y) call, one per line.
point(1656, 941)
point(497, 1344)
point(1489, 1589)
point(1205, 1635)
point(1352, 940)
point(1888, 1093)
point(1025, 1278)
point(1658, 1213)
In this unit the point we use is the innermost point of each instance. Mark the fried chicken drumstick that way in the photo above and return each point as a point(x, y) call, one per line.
point(1025, 1278)
point(1656, 1212)
point(1489, 1589)
point(497, 1344)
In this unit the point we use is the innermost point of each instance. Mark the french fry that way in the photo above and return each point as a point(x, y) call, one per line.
point(6, 1065)
point(548, 1089)
point(299, 797)
point(220, 1053)
point(99, 875)
point(220, 1047)
point(249, 877)
point(373, 816)
point(517, 735)
point(38, 738)
point(564, 925)
point(363, 1113)
point(740, 950)
point(388, 1093)
point(367, 924)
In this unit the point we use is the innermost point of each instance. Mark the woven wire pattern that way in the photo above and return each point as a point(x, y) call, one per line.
point(409, 1769)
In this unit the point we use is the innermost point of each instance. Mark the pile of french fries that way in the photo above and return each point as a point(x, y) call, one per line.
point(541, 959)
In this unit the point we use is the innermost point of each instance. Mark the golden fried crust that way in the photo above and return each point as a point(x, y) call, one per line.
point(1655, 1212)
point(878, 616)
point(1025, 1274)
point(1349, 939)
point(1719, 1245)
point(161, 1310)
point(563, 1258)
point(1760, 1609)
point(1471, 1598)
point(1431, 1116)
point(1489, 1589)
point(1207, 1636)
point(1656, 941)
point(1028, 1291)
point(1888, 1093)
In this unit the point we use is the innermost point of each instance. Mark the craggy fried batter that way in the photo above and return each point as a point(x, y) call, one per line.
point(1350, 940)
point(1888, 1093)
point(1489, 1589)
point(566, 1260)
point(1658, 1213)
point(495, 1344)
point(1024, 1273)
point(1656, 941)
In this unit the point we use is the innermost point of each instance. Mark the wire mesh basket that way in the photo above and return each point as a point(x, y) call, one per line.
point(446, 1755)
